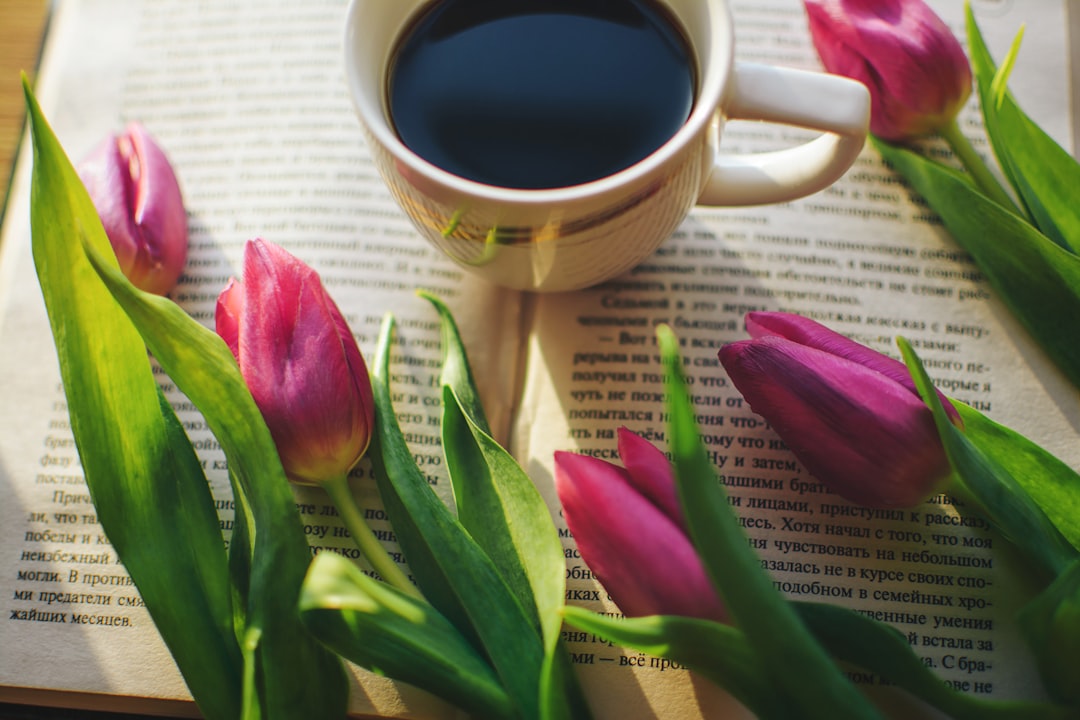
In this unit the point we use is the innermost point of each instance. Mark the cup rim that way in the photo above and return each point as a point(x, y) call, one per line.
point(713, 83)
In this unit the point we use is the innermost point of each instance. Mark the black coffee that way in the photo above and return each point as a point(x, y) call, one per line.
point(540, 93)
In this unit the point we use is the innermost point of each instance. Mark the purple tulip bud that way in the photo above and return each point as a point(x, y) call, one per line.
point(851, 415)
point(136, 194)
point(300, 361)
point(629, 529)
point(914, 67)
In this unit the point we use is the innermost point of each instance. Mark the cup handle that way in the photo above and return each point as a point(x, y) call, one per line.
point(838, 106)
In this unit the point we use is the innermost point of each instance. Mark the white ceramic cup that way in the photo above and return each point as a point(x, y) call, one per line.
point(577, 236)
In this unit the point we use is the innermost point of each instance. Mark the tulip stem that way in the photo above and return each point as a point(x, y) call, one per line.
point(974, 164)
point(376, 555)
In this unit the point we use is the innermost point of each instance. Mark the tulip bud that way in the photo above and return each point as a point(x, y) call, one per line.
point(137, 197)
point(629, 529)
point(852, 416)
point(301, 363)
point(914, 67)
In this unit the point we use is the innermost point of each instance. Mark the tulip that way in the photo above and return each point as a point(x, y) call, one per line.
point(629, 529)
point(914, 67)
point(305, 371)
point(300, 361)
point(136, 195)
point(852, 416)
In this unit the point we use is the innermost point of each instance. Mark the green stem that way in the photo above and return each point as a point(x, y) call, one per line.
point(974, 164)
point(380, 560)
point(252, 708)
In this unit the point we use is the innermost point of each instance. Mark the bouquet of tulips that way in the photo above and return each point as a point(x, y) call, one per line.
point(871, 428)
point(876, 432)
point(258, 629)
point(1023, 238)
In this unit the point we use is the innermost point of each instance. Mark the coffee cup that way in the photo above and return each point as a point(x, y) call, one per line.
point(581, 233)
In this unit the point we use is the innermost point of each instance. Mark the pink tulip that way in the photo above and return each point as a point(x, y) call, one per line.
point(851, 415)
point(137, 196)
point(914, 67)
point(629, 529)
point(301, 363)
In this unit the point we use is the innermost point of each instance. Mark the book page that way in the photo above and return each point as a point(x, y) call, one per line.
point(249, 101)
point(868, 259)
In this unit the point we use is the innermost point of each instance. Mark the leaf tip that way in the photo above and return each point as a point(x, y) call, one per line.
point(33, 109)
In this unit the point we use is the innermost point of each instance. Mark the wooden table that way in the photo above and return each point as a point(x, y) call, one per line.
point(22, 25)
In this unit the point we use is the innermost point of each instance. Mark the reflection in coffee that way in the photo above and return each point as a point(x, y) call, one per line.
point(540, 93)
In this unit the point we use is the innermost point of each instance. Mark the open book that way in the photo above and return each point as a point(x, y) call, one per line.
point(248, 99)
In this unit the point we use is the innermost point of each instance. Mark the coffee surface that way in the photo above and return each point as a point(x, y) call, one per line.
point(540, 93)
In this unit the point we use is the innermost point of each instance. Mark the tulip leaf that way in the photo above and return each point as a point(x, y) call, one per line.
point(1036, 279)
point(1043, 174)
point(456, 371)
point(722, 654)
point(380, 628)
point(1009, 509)
point(1052, 484)
point(877, 647)
point(204, 369)
point(147, 485)
point(496, 501)
point(717, 652)
point(453, 572)
point(500, 507)
point(797, 664)
point(1051, 625)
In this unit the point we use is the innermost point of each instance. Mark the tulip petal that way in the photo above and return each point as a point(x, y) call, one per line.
point(104, 173)
point(651, 475)
point(158, 210)
point(868, 438)
point(359, 379)
point(643, 560)
point(227, 314)
point(804, 331)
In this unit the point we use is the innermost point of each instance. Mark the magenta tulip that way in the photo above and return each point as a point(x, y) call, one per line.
point(301, 363)
point(629, 529)
point(850, 415)
point(914, 67)
point(138, 199)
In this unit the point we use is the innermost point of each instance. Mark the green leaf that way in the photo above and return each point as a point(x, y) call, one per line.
point(1041, 172)
point(719, 653)
point(495, 506)
point(1052, 484)
point(503, 511)
point(204, 369)
point(496, 501)
point(453, 572)
point(392, 634)
point(147, 485)
point(1051, 625)
point(456, 371)
point(722, 654)
point(865, 643)
point(1036, 279)
point(240, 554)
point(797, 664)
point(1010, 510)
